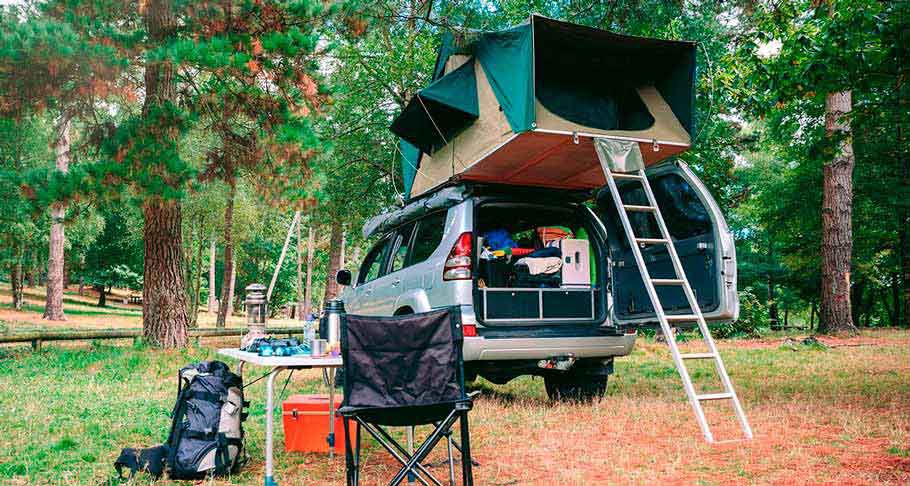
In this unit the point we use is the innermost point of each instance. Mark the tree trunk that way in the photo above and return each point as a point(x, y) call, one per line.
point(812, 316)
point(102, 295)
point(894, 312)
point(308, 293)
point(81, 286)
point(15, 277)
point(53, 304)
point(331, 286)
point(773, 314)
point(232, 289)
point(197, 282)
point(164, 290)
point(164, 319)
point(30, 274)
point(837, 211)
point(212, 306)
point(227, 286)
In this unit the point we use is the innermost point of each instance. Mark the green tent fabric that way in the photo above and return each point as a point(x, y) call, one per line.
point(549, 79)
point(440, 110)
point(507, 59)
point(410, 160)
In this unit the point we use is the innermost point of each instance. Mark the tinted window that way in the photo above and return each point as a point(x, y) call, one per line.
point(429, 234)
point(683, 211)
point(401, 251)
point(372, 264)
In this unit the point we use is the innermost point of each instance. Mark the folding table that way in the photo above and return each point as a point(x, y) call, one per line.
point(277, 365)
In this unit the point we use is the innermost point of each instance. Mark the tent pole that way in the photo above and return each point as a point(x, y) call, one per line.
point(284, 250)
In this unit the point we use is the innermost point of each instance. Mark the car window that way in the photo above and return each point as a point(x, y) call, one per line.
point(683, 211)
point(681, 207)
point(429, 234)
point(371, 268)
point(403, 237)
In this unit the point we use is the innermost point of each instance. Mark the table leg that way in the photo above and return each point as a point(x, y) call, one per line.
point(331, 437)
point(269, 423)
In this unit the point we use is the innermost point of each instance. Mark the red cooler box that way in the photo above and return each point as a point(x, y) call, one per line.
point(306, 424)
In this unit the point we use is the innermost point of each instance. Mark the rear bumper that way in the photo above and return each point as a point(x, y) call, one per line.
point(487, 349)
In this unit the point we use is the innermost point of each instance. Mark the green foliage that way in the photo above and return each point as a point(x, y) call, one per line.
point(752, 322)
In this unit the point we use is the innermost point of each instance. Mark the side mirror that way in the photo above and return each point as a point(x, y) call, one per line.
point(343, 277)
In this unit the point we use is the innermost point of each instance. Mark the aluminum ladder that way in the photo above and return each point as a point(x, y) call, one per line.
point(679, 359)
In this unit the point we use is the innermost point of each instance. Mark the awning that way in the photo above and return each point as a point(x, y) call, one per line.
point(440, 111)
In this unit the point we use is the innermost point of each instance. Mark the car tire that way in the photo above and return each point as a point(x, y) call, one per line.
point(575, 387)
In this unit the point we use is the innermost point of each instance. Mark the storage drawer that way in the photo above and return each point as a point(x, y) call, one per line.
point(512, 304)
point(568, 304)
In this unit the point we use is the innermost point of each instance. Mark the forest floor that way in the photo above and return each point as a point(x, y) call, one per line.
point(82, 312)
point(837, 414)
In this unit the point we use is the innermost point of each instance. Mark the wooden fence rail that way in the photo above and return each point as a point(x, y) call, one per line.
point(37, 337)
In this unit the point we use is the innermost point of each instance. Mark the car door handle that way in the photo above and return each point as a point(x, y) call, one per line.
point(396, 283)
point(368, 291)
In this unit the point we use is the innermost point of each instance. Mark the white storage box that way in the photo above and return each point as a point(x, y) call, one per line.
point(576, 262)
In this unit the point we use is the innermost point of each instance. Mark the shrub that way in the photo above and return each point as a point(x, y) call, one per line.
point(752, 322)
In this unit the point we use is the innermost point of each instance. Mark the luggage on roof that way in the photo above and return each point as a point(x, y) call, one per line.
point(522, 106)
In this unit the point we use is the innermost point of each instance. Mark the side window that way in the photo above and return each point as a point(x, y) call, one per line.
point(403, 237)
point(683, 211)
point(371, 268)
point(429, 234)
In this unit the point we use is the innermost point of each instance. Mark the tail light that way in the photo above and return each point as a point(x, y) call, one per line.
point(469, 330)
point(458, 264)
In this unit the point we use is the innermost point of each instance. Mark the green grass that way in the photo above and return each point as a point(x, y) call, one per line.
point(66, 412)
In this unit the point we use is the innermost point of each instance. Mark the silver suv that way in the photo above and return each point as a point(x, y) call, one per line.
point(517, 325)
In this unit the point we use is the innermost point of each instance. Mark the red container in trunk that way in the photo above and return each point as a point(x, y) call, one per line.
point(306, 424)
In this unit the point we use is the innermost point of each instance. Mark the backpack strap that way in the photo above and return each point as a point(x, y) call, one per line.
point(150, 460)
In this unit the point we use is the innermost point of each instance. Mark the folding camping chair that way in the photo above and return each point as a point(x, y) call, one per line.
point(405, 371)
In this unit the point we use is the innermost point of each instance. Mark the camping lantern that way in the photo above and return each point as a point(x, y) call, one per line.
point(256, 309)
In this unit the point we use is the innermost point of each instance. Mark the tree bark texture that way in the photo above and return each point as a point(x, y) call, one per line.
point(164, 291)
point(308, 292)
point(837, 211)
point(212, 304)
point(227, 286)
point(164, 319)
point(331, 285)
point(53, 303)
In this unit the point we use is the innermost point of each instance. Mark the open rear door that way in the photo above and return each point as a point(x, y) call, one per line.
point(702, 239)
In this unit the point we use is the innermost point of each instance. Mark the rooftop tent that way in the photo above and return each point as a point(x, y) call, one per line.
point(541, 92)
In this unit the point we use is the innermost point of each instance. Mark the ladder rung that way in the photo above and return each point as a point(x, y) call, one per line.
point(651, 241)
point(643, 209)
point(667, 281)
point(623, 175)
point(714, 396)
point(681, 318)
point(698, 356)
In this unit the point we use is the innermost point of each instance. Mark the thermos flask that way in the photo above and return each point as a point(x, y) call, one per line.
point(330, 325)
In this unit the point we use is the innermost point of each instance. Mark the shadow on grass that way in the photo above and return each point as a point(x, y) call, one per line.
point(99, 311)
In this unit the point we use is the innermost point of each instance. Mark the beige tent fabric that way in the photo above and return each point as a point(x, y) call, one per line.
point(489, 131)
point(666, 127)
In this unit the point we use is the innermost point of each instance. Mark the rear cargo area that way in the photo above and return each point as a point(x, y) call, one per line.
point(537, 265)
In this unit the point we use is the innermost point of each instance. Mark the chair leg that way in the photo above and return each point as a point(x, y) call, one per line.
point(349, 461)
point(425, 449)
point(451, 461)
point(467, 475)
point(357, 456)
